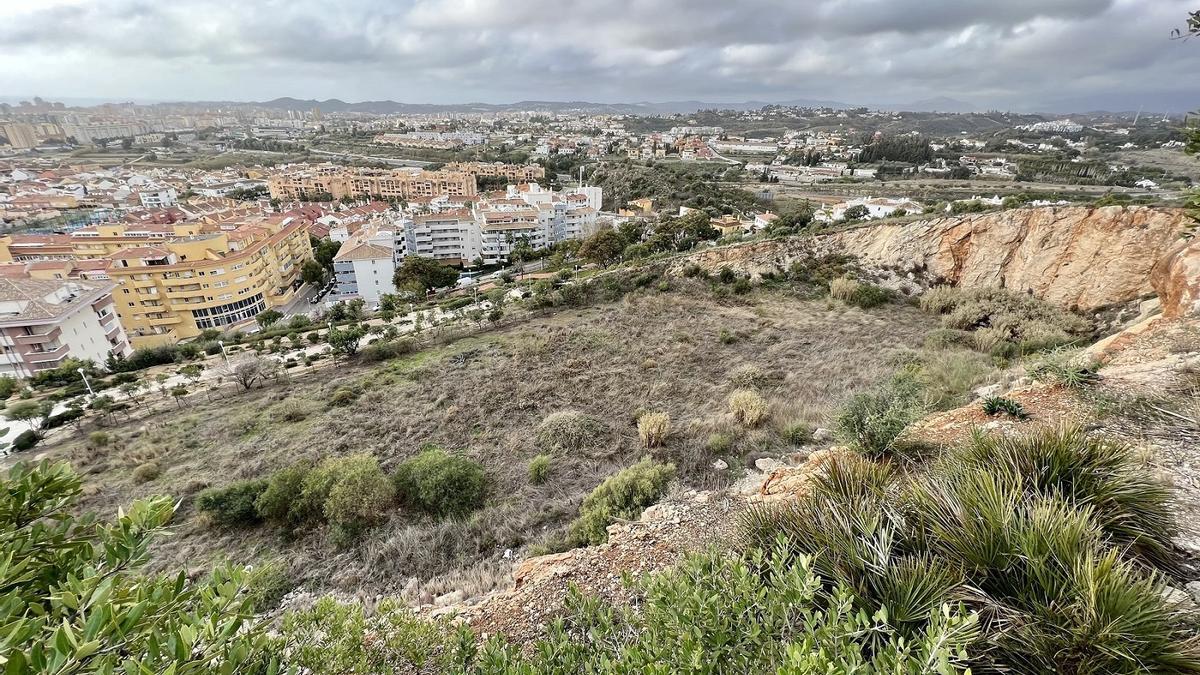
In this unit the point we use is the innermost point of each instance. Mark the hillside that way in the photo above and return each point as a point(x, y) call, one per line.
point(675, 351)
point(807, 424)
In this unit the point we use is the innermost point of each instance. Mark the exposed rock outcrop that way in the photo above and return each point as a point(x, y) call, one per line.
point(1081, 258)
point(1176, 279)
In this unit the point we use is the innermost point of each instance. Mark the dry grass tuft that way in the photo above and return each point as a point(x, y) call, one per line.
point(749, 408)
point(654, 428)
point(844, 289)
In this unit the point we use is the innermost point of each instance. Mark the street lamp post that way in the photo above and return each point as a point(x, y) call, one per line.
point(221, 343)
point(86, 383)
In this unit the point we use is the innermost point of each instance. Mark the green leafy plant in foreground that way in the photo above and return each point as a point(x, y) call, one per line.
point(72, 600)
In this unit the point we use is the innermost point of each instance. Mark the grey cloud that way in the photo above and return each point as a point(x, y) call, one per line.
point(1005, 53)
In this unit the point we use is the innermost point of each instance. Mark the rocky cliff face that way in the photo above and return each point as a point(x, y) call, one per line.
point(1176, 279)
point(1077, 257)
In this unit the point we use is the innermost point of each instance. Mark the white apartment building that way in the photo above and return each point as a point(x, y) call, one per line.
point(451, 235)
point(536, 215)
point(366, 263)
point(44, 321)
point(157, 198)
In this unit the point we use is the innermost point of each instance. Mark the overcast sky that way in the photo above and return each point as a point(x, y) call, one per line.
point(1008, 54)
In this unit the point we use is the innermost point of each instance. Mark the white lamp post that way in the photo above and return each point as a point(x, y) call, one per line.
point(86, 383)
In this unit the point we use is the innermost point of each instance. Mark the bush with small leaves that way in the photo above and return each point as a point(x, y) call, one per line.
point(99, 439)
point(995, 405)
point(624, 495)
point(727, 337)
point(870, 422)
point(26, 440)
point(146, 472)
point(539, 469)
point(343, 397)
point(748, 407)
point(281, 501)
point(440, 483)
point(359, 495)
point(654, 428)
point(232, 505)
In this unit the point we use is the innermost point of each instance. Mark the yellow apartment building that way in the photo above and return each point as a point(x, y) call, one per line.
point(341, 182)
point(172, 290)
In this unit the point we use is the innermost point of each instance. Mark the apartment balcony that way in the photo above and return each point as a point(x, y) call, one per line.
point(111, 330)
point(182, 291)
point(164, 321)
point(141, 283)
point(50, 355)
point(39, 338)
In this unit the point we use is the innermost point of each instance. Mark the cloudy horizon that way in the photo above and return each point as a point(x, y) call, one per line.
point(1050, 55)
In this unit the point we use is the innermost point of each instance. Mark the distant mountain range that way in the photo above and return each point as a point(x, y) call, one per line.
point(640, 108)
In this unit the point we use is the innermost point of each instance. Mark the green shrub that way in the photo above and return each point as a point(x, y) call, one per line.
point(949, 378)
point(797, 433)
point(725, 614)
point(99, 439)
point(539, 469)
point(867, 296)
point(335, 638)
point(68, 415)
point(623, 495)
point(388, 349)
point(360, 495)
point(571, 431)
point(727, 337)
point(266, 585)
point(742, 286)
point(233, 504)
point(343, 397)
point(870, 422)
point(26, 440)
point(1127, 502)
point(995, 405)
point(146, 472)
point(282, 500)
point(440, 483)
point(748, 407)
point(80, 600)
point(719, 444)
point(1054, 531)
point(1005, 323)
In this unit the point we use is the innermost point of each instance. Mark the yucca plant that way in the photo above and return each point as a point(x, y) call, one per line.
point(1129, 505)
point(995, 405)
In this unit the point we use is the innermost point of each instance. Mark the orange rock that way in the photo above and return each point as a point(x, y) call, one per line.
point(532, 570)
point(1176, 279)
point(790, 482)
